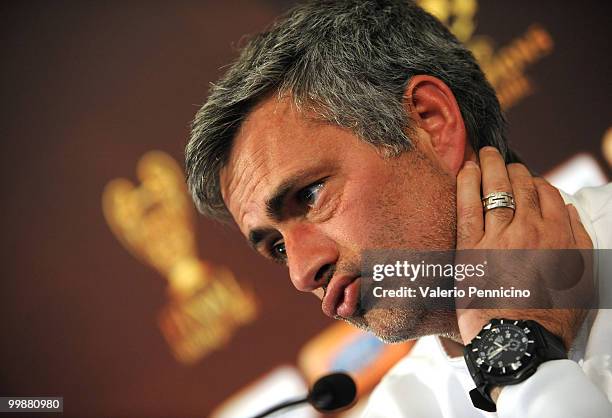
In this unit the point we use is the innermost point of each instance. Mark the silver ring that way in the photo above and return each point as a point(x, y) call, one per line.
point(498, 200)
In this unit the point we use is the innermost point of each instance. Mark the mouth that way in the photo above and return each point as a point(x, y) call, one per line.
point(341, 297)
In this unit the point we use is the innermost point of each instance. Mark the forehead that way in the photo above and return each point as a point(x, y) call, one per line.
point(273, 136)
point(274, 142)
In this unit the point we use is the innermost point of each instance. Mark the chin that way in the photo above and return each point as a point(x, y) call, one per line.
point(396, 325)
point(390, 325)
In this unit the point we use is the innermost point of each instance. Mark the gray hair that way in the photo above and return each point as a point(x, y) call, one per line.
point(347, 62)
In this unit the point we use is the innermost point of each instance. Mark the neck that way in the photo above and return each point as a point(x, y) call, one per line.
point(451, 347)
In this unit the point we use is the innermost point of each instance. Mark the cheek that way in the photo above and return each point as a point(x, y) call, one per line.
point(398, 213)
point(364, 213)
point(347, 229)
point(395, 209)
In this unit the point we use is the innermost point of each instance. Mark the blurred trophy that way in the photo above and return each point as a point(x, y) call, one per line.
point(155, 222)
point(504, 67)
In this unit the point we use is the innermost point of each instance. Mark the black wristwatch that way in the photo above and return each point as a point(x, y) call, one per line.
point(506, 352)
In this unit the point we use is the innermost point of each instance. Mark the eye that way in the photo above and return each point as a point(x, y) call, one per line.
point(308, 195)
point(278, 251)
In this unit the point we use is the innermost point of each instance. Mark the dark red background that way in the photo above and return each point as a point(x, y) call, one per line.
point(87, 89)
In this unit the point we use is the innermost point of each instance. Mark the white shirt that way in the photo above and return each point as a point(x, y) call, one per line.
point(429, 384)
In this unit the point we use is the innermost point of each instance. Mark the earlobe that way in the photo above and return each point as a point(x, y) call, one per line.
point(433, 108)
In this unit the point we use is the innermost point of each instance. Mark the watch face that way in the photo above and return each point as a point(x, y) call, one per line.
point(503, 349)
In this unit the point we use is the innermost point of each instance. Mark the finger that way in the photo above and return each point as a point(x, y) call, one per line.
point(586, 285)
point(551, 203)
point(495, 179)
point(470, 220)
point(581, 236)
point(525, 193)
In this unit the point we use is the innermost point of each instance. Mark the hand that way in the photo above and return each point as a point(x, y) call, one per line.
point(541, 221)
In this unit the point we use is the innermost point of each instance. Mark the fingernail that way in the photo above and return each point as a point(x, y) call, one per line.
point(470, 164)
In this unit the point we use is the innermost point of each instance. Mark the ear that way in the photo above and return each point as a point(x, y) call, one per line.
point(432, 106)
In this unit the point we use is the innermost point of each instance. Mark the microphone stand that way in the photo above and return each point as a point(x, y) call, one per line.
point(280, 406)
point(328, 394)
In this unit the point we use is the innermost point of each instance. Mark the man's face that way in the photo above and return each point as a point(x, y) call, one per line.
point(314, 196)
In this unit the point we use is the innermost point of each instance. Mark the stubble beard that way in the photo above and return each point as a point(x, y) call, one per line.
point(437, 209)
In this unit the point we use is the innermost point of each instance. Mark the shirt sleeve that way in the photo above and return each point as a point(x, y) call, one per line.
point(558, 389)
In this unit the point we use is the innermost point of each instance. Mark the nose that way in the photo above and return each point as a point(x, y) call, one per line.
point(311, 256)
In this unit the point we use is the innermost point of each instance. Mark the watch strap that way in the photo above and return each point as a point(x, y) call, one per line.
point(553, 347)
point(550, 347)
point(481, 401)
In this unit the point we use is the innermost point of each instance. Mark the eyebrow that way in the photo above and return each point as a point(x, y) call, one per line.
point(276, 202)
point(275, 207)
point(256, 236)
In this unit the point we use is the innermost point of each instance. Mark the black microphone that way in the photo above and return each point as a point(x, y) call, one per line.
point(330, 393)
